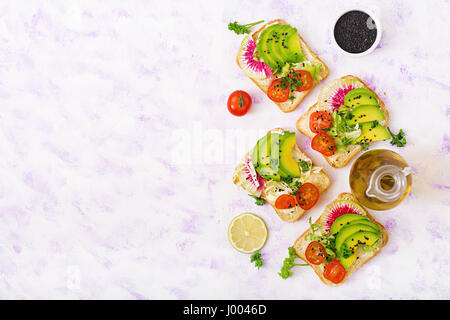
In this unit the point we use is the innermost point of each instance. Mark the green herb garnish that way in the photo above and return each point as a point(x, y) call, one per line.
point(287, 179)
point(364, 145)
point(241, 100)
point(346, 141)
point(289, 263)
point(259, 201)
point(256, 258)
point(295, 187)
point(242, 28)
point(305, 165)
point(398, 139)
point(374, 123)
point(291, 81)
point(346, 252)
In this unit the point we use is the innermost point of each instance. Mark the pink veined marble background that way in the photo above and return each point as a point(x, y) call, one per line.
point(117, 150)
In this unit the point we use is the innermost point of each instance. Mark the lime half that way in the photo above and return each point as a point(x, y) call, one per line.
point(247, 233)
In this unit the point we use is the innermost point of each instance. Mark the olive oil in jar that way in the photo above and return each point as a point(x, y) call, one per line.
point(380, 179)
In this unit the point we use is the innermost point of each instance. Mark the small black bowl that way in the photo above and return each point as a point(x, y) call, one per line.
point(357, 32)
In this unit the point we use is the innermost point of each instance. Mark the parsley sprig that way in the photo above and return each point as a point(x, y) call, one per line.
point(256, 258)
point(242, 28)
point(289, 263)
point(259, 201)
point(398, 139)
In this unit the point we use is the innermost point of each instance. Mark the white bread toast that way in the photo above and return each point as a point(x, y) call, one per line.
point(339, 159)
point(289, 105)
point(315, 176)
point(303, 241)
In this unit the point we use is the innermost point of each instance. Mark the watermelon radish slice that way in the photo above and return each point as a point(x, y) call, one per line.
point(249, 179)
point(248, 61)
point(337, 209)
point(332, 96)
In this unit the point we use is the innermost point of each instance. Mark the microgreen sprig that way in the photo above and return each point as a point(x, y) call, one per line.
point(242, 28)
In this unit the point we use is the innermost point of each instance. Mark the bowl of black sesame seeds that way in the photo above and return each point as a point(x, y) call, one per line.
point(357, 32)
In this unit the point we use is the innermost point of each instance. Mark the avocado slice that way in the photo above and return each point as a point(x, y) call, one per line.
point(347, 262)
point(255, 156)
point(275, 152)
point(263, 48)
point(372, 131)
point(360, 96)
point(275, 45)
point(267, 163)
point(352, 243)
point(281, 50)
point(344, 220)
point(287, 162)
point(290, 56)
point(292, 43)
point(350, 229)
point(367, 222)
point(264, 151)
point(365, 113)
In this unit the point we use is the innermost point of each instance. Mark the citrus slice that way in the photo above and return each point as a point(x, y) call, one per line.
point(247, 233)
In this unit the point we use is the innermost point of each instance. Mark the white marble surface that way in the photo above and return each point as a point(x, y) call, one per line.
point(117, 150)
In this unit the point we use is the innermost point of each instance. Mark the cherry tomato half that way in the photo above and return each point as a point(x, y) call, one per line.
point(305, 77)
point(276, 93)
point(315, 253)
point(334, 271)
point(323, 143)
point(285, 201)
point(239, 103)
point(319, 120)
point(307, 196)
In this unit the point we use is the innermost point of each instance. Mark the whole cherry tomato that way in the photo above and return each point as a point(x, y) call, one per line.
point(239, 103)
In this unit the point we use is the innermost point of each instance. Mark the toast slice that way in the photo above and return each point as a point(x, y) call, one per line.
point(339, 159)
point(273, 189)
point(309, 55)
point(303, 241)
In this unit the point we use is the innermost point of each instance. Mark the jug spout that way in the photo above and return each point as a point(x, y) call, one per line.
point(388, 183)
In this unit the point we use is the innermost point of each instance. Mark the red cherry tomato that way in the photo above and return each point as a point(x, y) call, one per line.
point(305, 77)
point(276, 92)
point(285, 201)
point(239, 103)
point(319, 120)
point(334, 271)
point(323, 143)
point(315, 253)
point(307, 196)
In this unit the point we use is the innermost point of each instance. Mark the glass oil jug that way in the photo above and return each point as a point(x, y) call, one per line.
point(380, 179)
